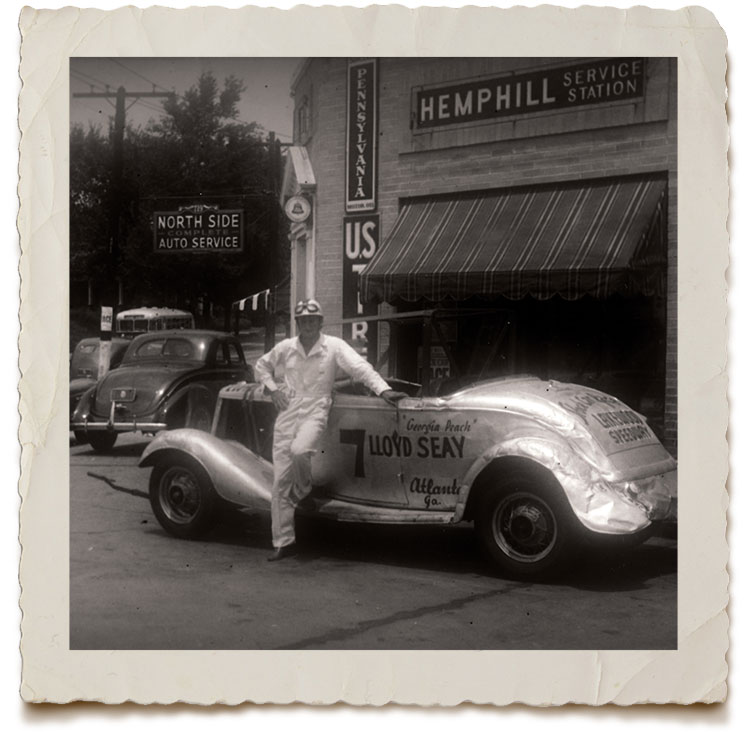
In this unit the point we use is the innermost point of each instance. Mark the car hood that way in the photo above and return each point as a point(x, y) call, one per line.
point(149, 381)
point(580, 414)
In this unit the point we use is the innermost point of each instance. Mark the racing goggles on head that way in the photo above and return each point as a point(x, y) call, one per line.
point(308, 307)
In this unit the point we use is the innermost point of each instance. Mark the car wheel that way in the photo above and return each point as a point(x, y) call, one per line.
point(81, 437)
point(525, 523)
point(101, 441)
point(183, 499)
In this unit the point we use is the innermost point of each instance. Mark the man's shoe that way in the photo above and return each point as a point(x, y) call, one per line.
point(282, 552)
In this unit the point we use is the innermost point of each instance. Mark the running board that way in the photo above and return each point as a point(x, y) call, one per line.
point(346, 511)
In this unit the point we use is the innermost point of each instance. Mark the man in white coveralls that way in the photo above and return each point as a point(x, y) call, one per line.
point(300, 373)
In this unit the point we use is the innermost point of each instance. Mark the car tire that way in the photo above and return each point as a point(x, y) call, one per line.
point(525, 523)
point(101, 441)
point(182, 498)
point(81, 437)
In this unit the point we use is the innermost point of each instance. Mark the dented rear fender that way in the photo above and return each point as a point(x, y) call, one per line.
point(601, 506)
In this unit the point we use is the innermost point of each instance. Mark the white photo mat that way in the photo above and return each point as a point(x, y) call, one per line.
point(695, 672)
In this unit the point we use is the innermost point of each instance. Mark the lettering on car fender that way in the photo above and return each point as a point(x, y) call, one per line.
point(440, 447)
point(433, 425)
point(400, 446)
point(430, 488)
point(579, 403)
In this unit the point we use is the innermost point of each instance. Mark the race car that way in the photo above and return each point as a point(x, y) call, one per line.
point(542, 468)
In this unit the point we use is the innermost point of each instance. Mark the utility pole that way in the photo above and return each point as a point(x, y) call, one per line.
point(274, 181)
point(116, 195)
point(116, 192)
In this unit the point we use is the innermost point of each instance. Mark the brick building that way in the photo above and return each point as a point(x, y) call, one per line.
point(541, 189)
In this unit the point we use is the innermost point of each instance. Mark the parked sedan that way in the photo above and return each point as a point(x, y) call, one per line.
point(542, 468)
point(166, 380)
point(84, 365)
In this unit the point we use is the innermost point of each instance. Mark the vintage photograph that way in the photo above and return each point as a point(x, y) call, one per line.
point(373, 353)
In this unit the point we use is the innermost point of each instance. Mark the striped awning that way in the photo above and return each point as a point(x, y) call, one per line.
point(255, 302)
point(595, 238)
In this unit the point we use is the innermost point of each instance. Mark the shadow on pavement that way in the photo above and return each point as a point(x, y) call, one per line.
point(120, 449)
point(447, 549)
point(236, 528)
point(625, 570)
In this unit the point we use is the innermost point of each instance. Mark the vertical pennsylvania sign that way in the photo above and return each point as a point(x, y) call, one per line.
point(361, 136)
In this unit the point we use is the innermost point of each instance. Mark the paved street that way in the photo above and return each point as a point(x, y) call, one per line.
point(134, 587)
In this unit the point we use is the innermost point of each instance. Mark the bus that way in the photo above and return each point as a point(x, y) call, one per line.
point(146, 320)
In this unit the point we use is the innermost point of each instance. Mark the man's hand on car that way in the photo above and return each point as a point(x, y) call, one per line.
point(280, 400)
point(393, 397)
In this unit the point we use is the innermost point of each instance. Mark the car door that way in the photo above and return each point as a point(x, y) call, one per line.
point(360, 455)
point(441, 447)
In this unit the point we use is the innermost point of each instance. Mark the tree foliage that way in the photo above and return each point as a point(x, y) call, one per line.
point(196, 152)
point(90, 172)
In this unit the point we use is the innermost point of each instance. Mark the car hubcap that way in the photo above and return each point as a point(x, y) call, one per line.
point(179, 495)
point(524, 527)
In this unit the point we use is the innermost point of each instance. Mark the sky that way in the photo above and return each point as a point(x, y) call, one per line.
point(266, 99)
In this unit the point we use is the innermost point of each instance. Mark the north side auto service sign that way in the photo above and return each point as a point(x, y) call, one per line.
point(199, 229)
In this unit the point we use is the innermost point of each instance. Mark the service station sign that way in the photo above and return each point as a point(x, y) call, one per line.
point(592, 82)
point(199, 229)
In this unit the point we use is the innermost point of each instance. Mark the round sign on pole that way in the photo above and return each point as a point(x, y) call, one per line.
point(297, 209)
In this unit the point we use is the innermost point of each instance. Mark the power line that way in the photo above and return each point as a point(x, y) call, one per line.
point(81, 80)
point(116, 192)
point(93, 109)
point(142, 102)
point(208, 194)
point(89, 87)
point(80, 77)
point(150, 106)
point(98, 82)
point(153, 108)
point(86, 79)
point(141, 76)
